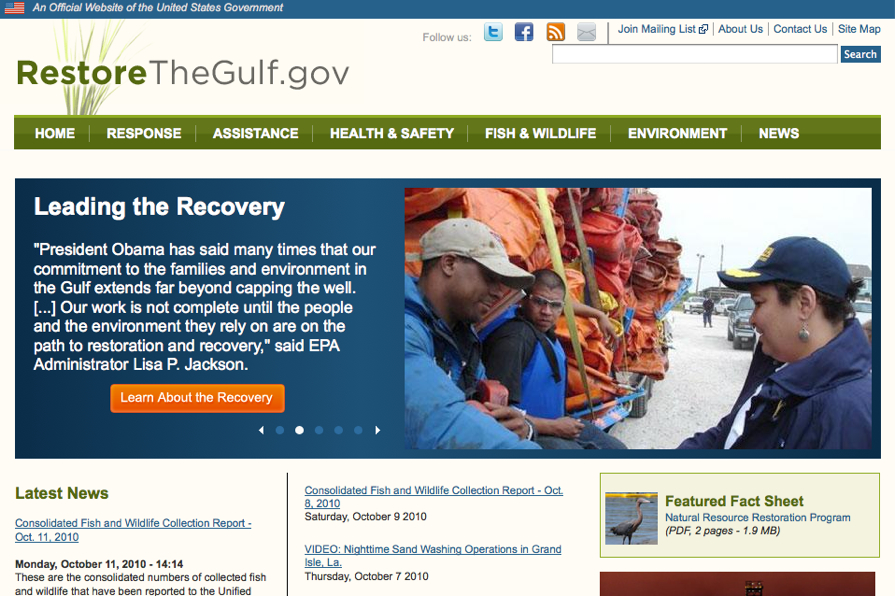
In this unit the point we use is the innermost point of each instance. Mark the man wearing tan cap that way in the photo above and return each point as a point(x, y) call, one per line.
point(465, 271)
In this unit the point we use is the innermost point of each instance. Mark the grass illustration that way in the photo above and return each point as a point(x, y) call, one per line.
point(81, 99)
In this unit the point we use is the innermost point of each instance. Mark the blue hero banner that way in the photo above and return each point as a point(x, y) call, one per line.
point(98, 261)
point(354, 383)
point(465, 9)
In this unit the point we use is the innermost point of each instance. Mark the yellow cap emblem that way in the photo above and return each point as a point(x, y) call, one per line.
point(739, 273)
point(766, 254)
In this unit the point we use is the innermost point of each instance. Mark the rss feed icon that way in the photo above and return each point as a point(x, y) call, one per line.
point(556, 31)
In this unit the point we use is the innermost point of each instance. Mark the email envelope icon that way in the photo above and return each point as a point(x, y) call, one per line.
point(587, 32)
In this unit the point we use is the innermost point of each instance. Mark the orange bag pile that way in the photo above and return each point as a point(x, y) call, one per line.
point(614, 241)
point(668, 253)
point(606, 199)
point(642, 208)
point(593, 344)
point(654, 281)
point(597, 356)
point(511, 212)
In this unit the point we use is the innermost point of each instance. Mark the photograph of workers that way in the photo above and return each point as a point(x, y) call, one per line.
point(631, 518)
point(738, 583)
point(638, 318)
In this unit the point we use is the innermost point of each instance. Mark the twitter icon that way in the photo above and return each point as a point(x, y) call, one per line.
point(493, 31)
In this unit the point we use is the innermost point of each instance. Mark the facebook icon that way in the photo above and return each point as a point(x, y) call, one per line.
point(524, 31)
point(493, 31)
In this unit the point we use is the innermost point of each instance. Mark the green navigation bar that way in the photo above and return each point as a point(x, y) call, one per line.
point(447, 132)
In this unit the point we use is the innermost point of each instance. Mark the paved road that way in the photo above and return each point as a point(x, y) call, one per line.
point(704, 380)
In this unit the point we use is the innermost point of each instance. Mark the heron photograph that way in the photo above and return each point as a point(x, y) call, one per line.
point(632, 518)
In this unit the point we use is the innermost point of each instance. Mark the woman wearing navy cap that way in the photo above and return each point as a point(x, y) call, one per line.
point(809, 385)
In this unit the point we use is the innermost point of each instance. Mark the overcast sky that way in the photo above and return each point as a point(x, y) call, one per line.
point(747, 220)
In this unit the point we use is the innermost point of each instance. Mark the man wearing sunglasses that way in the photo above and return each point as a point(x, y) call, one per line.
point(465, 272)
point(524, 354)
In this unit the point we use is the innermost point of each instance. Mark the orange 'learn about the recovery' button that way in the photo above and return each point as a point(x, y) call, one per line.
point(198, 399)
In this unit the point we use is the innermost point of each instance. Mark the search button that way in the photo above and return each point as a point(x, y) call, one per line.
point(860, 54)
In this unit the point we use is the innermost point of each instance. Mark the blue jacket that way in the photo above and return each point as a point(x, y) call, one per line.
point(820, 402)
point(438, 374)
point(515, 354)
point(542, 394)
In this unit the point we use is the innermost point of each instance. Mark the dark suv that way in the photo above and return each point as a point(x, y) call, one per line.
point(739, 329)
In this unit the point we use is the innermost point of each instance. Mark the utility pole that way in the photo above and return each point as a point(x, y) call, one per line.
point(721, 268)
point(699, 271)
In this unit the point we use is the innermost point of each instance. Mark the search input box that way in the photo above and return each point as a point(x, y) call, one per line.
point(696, 54)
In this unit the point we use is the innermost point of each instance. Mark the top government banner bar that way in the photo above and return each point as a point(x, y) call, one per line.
point(463, 9)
